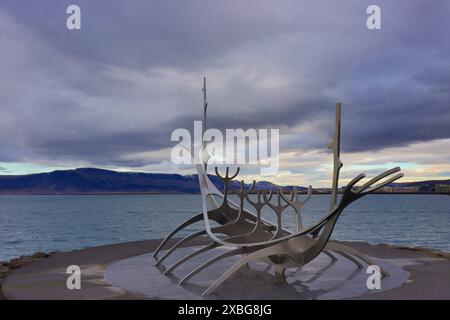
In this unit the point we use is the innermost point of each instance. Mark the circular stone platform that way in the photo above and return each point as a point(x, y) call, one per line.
point(125, 271)
point(322, 278)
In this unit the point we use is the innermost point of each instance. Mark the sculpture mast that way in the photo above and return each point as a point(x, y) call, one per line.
point(335, 146)
point(205, 106)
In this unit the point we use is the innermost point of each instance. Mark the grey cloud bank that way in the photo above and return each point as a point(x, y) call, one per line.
point(119, 86)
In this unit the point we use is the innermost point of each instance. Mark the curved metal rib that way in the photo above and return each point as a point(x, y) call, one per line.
point(178, 244)
point(210, 262)
point(180, 227)
point(190, 256)
point(378, 178)
point(384, 183)
point(236, 266)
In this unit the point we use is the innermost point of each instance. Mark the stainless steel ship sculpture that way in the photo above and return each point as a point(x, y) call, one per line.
point(245, 234)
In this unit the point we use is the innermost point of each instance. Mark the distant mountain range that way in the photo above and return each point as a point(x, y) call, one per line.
point(100, 181)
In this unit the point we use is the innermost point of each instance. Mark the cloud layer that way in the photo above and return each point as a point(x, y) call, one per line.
point(110, 94)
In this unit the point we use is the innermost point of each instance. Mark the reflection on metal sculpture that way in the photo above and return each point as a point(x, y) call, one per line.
point(253, 238)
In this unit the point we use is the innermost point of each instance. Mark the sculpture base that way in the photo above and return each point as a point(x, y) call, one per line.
point(322, 278)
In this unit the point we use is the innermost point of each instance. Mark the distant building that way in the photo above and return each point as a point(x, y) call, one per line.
point(386, 190)
point(442, 188)
point(398, 190)
point(426, 188)
point(405, 189)
point(322, 190)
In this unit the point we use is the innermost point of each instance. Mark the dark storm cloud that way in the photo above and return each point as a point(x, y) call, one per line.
point(142, 33)
point(133, 74)
point(103, 147)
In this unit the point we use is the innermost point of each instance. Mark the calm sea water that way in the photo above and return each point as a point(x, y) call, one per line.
point(46, 223)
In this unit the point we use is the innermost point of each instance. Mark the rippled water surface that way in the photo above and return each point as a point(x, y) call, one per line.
point(46, 223)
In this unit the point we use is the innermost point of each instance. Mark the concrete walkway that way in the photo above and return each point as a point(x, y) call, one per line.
point(429, 274)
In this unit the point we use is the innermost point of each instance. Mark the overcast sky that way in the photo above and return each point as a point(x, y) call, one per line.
point(110, 94)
